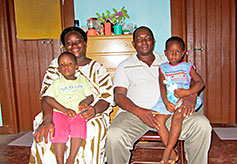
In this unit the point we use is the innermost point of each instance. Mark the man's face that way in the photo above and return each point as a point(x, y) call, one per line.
point(144, 42)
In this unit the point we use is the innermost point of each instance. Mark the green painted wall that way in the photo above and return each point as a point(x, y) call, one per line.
point(152, 13)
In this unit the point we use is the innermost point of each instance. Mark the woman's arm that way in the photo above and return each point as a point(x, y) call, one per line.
point(105, 86)
point(101, 81)
point(47, 124)
point(101, 106)
point(87, 101)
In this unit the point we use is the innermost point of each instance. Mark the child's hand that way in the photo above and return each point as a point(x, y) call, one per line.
point(170, 107)
point(179, 93)
point(70, 113)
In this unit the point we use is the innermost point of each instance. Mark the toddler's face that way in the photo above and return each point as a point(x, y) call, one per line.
point(174, 52)
point(67, 67)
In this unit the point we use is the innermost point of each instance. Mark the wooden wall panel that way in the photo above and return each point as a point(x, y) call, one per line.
point(7, 93)
point(31, 60)
point(210, 26)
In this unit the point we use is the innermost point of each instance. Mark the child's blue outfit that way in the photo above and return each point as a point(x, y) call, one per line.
point(179, 74)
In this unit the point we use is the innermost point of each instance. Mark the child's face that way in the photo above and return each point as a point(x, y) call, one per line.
point(67, 67)
point(174, 52)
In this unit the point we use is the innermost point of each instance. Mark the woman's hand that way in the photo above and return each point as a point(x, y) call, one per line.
point(148, 117)
point(87, 112)
point(47, 127)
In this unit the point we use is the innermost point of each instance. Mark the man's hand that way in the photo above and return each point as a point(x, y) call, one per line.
point(42, 132)
point(148, 117)
point(188, 105)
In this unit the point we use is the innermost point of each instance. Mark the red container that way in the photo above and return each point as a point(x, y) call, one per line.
point(107, 28)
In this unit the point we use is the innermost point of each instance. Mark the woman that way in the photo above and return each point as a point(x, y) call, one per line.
point(92, 150)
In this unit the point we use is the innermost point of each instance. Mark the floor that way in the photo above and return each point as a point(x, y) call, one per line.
point(221, 152)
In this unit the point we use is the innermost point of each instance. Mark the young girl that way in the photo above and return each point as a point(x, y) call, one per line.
point(188, 81)
point(67, 95)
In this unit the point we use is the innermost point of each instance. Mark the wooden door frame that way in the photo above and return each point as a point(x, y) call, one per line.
point(178, 18)
point(8, 96)
point(67, 13)
point(236, 58)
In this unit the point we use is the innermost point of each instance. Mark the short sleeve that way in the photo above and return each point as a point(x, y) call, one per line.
point(121, 78)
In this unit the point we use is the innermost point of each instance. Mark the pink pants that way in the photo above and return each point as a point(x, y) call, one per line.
point(65, 126)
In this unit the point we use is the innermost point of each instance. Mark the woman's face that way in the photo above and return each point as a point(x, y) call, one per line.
point(75, 44)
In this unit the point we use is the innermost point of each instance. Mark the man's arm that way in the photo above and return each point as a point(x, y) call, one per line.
point(196, 86)
point(147, 116)
point(189, 101)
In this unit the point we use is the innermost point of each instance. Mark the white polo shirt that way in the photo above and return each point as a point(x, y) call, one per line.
point(140, 80)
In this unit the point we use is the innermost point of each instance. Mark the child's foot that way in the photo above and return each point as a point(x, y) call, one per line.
point(69, 161)
point(173, 157)
point(166, 157)
point(162, 162)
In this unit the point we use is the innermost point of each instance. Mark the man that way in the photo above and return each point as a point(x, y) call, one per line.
point(136, 90)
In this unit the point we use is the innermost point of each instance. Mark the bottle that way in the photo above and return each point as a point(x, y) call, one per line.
point(76, 23)
point(101, 31)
